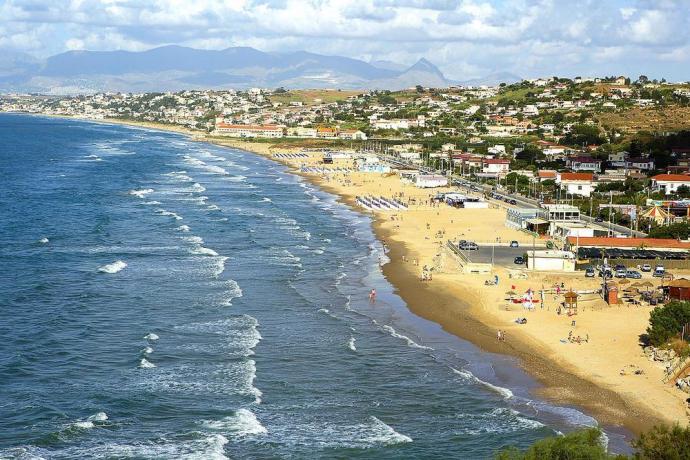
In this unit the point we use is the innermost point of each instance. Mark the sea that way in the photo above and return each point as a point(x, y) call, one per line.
point(162, 298)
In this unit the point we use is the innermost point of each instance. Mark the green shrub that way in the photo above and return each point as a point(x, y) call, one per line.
point(667, 322)
point(579, 445)
point(663, 443)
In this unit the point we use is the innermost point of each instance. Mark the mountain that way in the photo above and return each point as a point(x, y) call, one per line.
point(493, 79)
point(171, 68)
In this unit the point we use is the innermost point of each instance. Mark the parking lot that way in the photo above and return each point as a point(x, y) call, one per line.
point(502, 255)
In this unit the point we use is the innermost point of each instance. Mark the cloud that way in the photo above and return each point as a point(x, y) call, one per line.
point(464, 37)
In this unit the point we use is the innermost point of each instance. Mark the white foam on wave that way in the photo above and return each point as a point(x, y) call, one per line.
point(183, 228)
point(141, 193)
point(147, 350)
point(98, 417)
point(197, 187)
point(243, 423)
point(467, 375)
point(410, 342)
point(200, 447)
point(151, 336)
point(114, 267)
point(266, 200)
point(502, 420)
point(193, 239)
point(351, 344)
point(152, 202)
point(44, 240)
point(146, 364)
point(93, 158)
point(213, 207)
point(164, 212)
point(232, 291)
point(203, 251)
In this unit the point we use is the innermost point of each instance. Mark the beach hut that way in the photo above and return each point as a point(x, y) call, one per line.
point(571, 302)
point(679, 289)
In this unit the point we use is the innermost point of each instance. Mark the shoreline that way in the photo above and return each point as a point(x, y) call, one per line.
point(561, 382)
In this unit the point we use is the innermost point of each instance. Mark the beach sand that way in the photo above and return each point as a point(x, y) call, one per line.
point(597, 376)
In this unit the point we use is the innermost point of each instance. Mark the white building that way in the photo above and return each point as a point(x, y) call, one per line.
point(669, 183)
point(576, 183)
point(551, 260)
point(269, 131)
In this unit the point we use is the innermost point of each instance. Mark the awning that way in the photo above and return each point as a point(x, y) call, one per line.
point(537, 221)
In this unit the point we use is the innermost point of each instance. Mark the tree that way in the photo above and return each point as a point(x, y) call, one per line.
point(683, 191)
point(666, 322)
point(677, 231)
point(579, 445)
point(663, 443)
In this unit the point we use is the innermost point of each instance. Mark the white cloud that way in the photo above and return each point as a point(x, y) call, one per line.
point(461, 36)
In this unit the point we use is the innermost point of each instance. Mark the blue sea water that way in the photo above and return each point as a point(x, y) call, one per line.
point(164, 298)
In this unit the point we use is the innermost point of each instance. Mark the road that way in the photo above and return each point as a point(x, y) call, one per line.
point(522, 201)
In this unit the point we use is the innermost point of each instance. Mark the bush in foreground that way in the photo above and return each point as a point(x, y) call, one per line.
point(660, 443)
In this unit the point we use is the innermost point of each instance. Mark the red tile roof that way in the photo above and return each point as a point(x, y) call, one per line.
point(672, 177)
point(628, 242)
point(547, 174)
point(577, 176)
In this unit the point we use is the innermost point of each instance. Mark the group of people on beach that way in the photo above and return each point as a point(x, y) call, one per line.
point(501, 335)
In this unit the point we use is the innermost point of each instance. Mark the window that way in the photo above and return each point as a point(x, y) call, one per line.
point(579, 187)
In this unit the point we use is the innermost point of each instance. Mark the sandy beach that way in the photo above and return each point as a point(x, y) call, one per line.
point(606, 373)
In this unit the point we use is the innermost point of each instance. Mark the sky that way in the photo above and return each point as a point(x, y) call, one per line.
point(464, 38)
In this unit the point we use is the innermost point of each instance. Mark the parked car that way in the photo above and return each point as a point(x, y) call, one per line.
point(633, 274)
point(659, 271)
point(598, 219)
point(589, 272)
point(469, 246)
point(519, 260)
point(619, 267)
point(512, 201)
point(514, 244)
point(621, 273)
point(646, 268)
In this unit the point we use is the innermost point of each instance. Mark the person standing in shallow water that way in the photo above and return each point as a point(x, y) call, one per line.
point(372, 296)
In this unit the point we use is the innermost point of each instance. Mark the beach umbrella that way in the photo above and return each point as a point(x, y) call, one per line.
point(624, 281)
point(636, 285)
point(511, 293)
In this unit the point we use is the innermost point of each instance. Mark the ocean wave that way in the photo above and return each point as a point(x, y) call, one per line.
point(410, 342)
point(164, 212)
point(243, 423)
point(193, 239)
point(146, 364)
point(351, 344)
point(44, 240)
point(468, 376)
point(233, 291)
point(141, 193)
point(151, 336)
point(150, 203)
point(203, 251)
point(213, 207)
point(114, 267)
point(147, 350)
point(183, 228)
point(502, 420)
point(197, 187)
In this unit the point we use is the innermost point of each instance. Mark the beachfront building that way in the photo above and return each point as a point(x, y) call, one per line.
point(529, 219)
point(581, 184)
point(551, 260)
point(495, 166)
point(266, 131)
point(430, 181)
point(669, 183)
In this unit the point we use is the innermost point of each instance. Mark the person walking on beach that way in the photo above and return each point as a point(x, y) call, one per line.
point(372, 296)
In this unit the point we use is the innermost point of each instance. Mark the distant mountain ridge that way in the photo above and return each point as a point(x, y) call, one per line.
point(174, 68)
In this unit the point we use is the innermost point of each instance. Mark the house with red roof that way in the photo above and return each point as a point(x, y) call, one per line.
point(669, 183)
point(582, 184)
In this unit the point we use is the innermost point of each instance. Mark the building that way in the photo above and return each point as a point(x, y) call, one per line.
point(230, 130)
point(562, 213)
point(551, 260)
point(327, 133)
point(584, 164)
point(679, 289)
point(495, 166)
point(669, 183)
point(352, 134)
point(576, 183)
point(660, 244)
